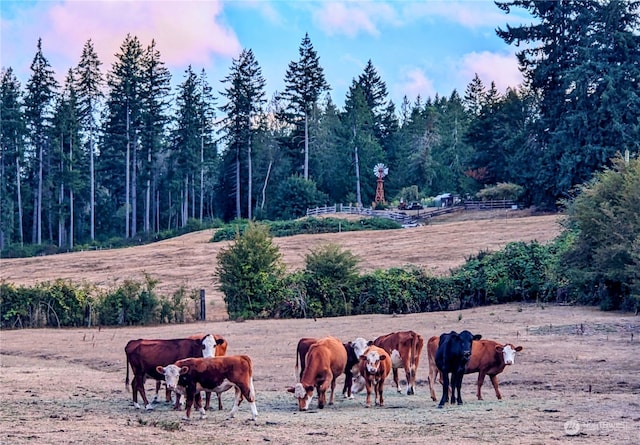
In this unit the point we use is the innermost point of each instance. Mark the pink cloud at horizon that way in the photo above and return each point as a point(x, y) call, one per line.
point(492, 67)
point(185, 32)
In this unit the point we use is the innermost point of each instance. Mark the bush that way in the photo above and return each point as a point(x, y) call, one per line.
point(250, 272)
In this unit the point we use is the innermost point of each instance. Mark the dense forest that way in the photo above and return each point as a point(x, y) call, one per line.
point(116, 152)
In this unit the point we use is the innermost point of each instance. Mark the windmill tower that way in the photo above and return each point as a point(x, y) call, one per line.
point(380, 170)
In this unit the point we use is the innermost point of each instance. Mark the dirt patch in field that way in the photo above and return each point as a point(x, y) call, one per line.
point(190, 260)
point(575, 382)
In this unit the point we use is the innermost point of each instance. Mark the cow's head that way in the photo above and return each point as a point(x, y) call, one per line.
point(304, 396)
point(372, 360)
point(172, 374)
point(360, 345)
point(466, 339)
point(357, 382)
point(509, 353)
point(208, 346)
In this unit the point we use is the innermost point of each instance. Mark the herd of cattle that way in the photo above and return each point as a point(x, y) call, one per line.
point(190, 366)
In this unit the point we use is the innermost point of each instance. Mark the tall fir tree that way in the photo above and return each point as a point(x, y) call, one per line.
point(304, 84)
point(41, 91)
point(89, 91)
point(245, 94)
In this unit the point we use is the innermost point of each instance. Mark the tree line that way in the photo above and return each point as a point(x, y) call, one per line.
point(120, 154)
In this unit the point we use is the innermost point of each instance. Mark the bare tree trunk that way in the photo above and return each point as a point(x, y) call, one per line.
point(39, 198)
point(93, 183)
point(19, 191)
point(238, 213)
point(264, 187)
point(134, 186)
point(127, 179)
point(147, 197)
point(306, 144)
point(358, 193)
point(201, 175)
point(71, 215)
point(249, 172)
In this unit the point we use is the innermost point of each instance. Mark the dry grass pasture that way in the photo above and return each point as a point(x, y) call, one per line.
point(577, 381)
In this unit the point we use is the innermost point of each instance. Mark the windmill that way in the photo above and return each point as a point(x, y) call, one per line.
point(380, 170)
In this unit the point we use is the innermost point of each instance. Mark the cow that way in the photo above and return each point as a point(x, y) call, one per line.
point(145, 355)
point(488, 357)
point(354, 350)
point(452, 355)
point(375, 366)
point(207, 373)
point(220, 350)
point(325, 361)
point(404, 348)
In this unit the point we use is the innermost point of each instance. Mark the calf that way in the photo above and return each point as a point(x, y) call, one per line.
point(145, 355)
point(404, 348)
point(324, 361)
point(219, 351)
point(209, 373)
point(354, 350)
point(374, 366)
point(451, 357)
point(488, 357)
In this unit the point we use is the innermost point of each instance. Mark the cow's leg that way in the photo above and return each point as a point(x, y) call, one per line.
point(367, 403)
point(189, 404)
point(348, 381)
point(494, 382)
point(379, 388)
point(236, 402)
point(433, 375)
point(198, 404)
point(176, 406)
point(333, 389)
point(458, 386)
point(139, 387)
point(480, 383)
point(395, 379)
point(408, 372)
point(445, 389)
point(207, 400)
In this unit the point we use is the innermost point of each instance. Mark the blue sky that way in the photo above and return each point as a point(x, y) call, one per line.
point(418, 47)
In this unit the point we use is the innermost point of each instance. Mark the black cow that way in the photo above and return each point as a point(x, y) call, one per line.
point(452, 356)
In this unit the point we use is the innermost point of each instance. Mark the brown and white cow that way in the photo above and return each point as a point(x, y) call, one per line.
point(488, 357)
point(325, 361)
point(145, 355)
point(354, 350)
point(404, 349)
point(219, 351)
point(374, 366)
point(208, 373)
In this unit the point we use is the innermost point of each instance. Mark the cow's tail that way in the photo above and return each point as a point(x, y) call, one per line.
point(126, 380)
point(297, 370)
point(413, 359)
point(252, 389)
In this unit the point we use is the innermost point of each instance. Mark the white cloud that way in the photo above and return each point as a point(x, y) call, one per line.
point(470, 14)
point(413, 83)
point(352, 18)
point(491, 67)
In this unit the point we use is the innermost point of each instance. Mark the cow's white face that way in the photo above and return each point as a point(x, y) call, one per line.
point(171, 375)
point(209, 346)
point(509, 353)
point(373, 361)
point(304, 396)
point(360, 345)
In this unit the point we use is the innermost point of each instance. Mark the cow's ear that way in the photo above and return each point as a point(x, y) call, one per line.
point(477, 337)
point(184, 370)
point(160, 369)
point(499, 348)
point(519, 348)
point(370, 342)
point(219, 341)
point(291, 389)
point(383, 357)
point(309, 388)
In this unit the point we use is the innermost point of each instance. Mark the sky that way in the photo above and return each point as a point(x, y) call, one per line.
point(419, 48)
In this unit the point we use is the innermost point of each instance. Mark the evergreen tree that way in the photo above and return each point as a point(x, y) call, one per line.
point(582, 59)
point(245, 98)
point(41, 91)
point(154, 119)
point(12, 158)
point(304, 83)
point(89, 92)
point(474, 96)
point(122, 124)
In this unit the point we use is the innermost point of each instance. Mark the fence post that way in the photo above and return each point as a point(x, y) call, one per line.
point(203, 306)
